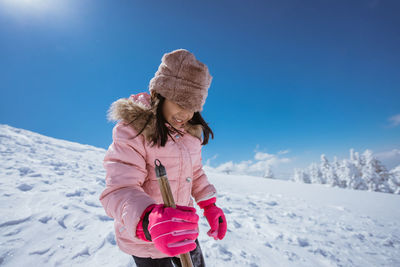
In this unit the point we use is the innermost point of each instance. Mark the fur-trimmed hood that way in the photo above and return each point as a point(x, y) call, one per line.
point(137, 109)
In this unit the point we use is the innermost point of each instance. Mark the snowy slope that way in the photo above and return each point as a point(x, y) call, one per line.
point(51, 216)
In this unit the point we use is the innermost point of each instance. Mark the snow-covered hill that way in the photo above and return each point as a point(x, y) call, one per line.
point(51, 216)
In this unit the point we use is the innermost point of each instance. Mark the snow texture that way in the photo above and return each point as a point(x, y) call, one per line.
point(51, 215)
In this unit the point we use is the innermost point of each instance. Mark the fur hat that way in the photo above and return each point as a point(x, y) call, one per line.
point(182, 79)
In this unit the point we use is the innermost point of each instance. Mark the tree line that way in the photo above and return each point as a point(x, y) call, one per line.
point(359, 172)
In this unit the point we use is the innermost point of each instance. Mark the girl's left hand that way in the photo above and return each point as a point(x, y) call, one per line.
point(215, 217)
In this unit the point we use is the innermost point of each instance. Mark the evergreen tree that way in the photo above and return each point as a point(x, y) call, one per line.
point(375, 174)
point(353, 174)
point(352, 156)
point(306, 177)
point(301, 176)
point(226, 167)
point(326, 170)
point(315, 174)
point(394, 180)
point(333, 179)
point(342, 174)
point(268, 173)
point(357, 158)
point(297, 176)
point(360, 172)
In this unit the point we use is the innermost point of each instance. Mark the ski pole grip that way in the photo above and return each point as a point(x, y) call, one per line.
point(160, 169)
point(169, 201)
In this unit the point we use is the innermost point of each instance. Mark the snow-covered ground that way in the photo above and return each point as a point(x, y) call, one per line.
point(51, 216)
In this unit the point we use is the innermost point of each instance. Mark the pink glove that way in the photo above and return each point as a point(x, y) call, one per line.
point(173, 231)
point(215, 217)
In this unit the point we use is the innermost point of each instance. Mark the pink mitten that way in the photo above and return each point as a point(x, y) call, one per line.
point(215, 217)
point(173, 231)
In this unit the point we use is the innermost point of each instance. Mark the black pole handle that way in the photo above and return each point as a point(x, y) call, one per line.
point(160, 169)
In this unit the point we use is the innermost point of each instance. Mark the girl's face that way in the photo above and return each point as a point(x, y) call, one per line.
point(176, 115)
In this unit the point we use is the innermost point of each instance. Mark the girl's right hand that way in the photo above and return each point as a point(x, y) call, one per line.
point(173, 231)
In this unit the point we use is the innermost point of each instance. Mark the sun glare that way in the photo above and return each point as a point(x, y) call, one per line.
point(33, 7)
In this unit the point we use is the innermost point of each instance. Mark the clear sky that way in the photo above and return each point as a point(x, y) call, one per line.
point(291, 79)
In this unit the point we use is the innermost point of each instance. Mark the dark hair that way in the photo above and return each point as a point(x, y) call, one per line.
point(160, 138)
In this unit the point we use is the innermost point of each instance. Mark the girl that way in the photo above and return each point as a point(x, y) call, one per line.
point(166, 125)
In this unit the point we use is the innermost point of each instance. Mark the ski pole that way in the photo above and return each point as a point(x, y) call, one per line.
point(168, 199)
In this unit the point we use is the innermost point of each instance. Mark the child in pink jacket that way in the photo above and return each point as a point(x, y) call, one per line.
point(165, 125)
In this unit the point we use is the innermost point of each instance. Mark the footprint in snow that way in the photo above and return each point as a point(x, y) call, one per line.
point(92, 204)
point(291, 215)
point(227, 211)
point(14, 222)
point(14, 232)
point(360, 237)
point(272, 203)
point(77, 193)
point(251, 203)
point(61, 221)
point(24, 187)
point(303, 242)
point(320, 251)
point(391, 242)
point(104, 218)
point(79, 226)
point(39, 252)
point(35, 175)
point(267, 244)
point(84, 252)
point(24, 171)
point(271, 220)
point(45, 219)
point(236, 224)
point(225, 254)
point(111, 238)
point(291, 256)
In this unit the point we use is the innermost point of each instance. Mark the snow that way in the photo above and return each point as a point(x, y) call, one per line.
point(51, 215)
point(360, 172)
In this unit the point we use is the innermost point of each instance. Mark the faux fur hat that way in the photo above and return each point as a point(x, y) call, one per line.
point(182, 79)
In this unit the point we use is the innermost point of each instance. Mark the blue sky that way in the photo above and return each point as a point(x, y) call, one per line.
point(291, 79)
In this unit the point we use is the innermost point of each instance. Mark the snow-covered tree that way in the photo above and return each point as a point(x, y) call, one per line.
point(306, 178)
point(297, 175)
point(301, 176)
point(394, 180)
point(360, 172)
point(353, 174)
point(342, 174)
point(333, 178)
point(352, 156)
point(326, 169)
point(375, 174)
point(315, 173)
point(349, 172)
point(226, 167)
point(268, 173)
point(357, 159)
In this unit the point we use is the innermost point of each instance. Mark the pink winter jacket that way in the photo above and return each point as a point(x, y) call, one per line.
point(131, 182)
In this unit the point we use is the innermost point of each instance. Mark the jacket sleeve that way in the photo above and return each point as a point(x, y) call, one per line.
point(202, 189)
point(123, 198)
